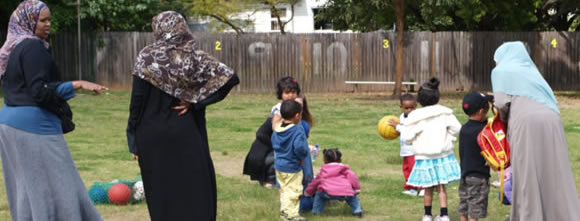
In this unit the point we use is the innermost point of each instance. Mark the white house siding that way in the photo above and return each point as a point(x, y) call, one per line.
point(303, 21)
point(315, 3)
point(260, 18)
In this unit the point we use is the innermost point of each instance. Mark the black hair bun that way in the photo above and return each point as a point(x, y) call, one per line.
point(432, 84)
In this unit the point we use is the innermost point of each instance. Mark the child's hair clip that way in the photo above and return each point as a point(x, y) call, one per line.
point(294, 80)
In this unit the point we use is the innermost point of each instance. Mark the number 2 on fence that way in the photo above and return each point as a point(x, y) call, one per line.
point(218, 45)
point(385, 43)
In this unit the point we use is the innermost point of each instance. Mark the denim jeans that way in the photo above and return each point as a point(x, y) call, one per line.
point(321, 197)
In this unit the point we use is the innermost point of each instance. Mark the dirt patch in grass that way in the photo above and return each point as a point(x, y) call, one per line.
point(229, 164)
point(568, 102)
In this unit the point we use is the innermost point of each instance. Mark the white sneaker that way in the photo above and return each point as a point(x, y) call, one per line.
point(427, 218)
point(441, 218)
point(422, 193)
point(410, 192)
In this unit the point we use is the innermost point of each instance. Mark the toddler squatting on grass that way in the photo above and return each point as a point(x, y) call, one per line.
point(335, 181)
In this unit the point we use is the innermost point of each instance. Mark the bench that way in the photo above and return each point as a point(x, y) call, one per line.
point(405, 83)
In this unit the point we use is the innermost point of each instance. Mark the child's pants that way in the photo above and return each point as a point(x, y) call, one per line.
point(408, 163)
point(291, 189)
point(321, 197)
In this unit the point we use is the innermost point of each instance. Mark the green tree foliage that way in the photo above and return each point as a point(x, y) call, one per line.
point(6, 10)
point(124, 15)
point(359, 15)
point(455, 15)
point(519, 15)
point(563, 15)
point(98, 15)
point(224, 11)
point(432, 15)
point(63, 16)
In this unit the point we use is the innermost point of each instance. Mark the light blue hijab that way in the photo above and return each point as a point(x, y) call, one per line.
point(516, 74)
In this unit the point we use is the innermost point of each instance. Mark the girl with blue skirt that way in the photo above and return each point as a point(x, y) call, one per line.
point(430, 131)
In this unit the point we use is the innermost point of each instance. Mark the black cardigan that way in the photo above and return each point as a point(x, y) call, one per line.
point(31, 79)
point(31, 76)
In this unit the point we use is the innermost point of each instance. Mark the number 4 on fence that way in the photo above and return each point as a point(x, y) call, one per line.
point(218, 45)
point(385, 43)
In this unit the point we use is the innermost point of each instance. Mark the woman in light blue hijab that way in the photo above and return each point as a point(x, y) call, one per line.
point(543, 184)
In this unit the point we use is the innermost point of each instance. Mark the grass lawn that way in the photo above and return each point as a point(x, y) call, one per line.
point(346, 121)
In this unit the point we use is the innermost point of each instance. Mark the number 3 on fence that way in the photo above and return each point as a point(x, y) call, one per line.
point(218, 45)
point(385, 43)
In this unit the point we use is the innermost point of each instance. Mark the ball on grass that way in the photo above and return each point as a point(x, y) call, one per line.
point(138, 191)
point(386, 130)
point(98, 194)
point(119, 194)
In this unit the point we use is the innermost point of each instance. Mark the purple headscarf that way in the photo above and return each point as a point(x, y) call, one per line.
point(22, 25)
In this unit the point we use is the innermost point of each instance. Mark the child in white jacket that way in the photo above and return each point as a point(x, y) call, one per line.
point(431, 131)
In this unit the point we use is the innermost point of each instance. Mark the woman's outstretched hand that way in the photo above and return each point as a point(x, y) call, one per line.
point(89, 86)
point(183, 107)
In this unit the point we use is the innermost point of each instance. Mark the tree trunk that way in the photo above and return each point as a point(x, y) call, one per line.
point(399, 13)
point(281, 24)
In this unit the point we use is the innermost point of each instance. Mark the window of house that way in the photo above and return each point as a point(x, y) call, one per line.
point(320, 24)
point(281, 12)
point(274, 20)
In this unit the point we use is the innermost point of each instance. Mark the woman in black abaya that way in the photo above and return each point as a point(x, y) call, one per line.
point(173, 82)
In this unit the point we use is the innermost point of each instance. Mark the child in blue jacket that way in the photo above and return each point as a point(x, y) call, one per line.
point(291, 148)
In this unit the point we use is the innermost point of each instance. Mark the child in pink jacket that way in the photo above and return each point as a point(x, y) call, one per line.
point(335, 181)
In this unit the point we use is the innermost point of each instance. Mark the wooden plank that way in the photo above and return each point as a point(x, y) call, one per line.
point(379, 82)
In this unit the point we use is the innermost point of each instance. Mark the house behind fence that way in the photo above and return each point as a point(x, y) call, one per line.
point(323, 62)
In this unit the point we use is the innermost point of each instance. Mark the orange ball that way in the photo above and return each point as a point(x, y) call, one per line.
point(119, 194)
point(386, 130)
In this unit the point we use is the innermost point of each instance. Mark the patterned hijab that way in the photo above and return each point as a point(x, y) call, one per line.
point(174, 65)
point(516, 74)
point(22, 25)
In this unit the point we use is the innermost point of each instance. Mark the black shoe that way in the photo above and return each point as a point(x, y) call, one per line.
point(359, 214)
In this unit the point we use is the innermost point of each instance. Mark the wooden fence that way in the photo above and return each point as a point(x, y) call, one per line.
point(322, 62)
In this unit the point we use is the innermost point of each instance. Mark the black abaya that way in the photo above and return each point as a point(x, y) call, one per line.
point(174, 157)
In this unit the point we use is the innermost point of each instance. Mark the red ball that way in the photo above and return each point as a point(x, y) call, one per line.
point(119, 194)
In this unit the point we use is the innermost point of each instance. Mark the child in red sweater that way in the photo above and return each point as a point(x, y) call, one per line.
point(335, 181)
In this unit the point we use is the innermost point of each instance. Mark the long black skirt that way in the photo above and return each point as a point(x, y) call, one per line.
point(177, 170)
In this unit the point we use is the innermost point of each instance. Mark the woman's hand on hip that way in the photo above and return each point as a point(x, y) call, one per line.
point(183, 107)
point(89, 86)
